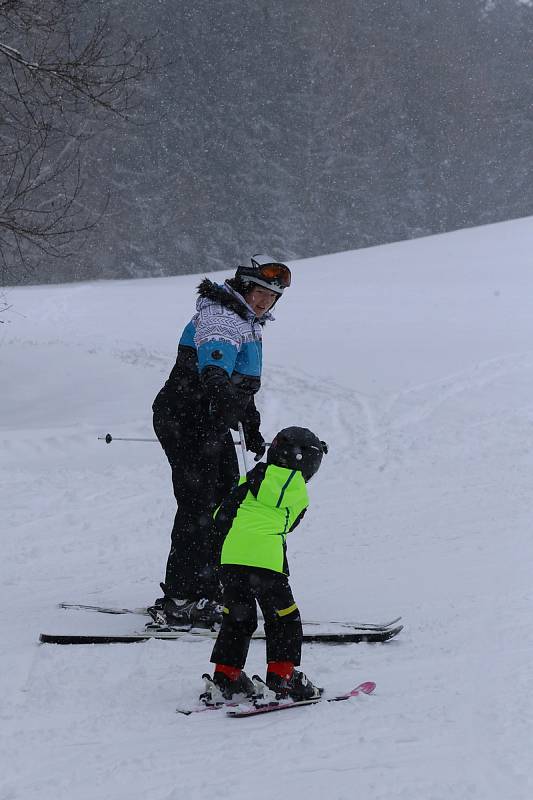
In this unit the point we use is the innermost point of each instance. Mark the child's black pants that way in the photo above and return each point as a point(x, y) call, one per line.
point(243, 586)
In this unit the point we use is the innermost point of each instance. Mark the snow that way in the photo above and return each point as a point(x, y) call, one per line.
point(415, 362)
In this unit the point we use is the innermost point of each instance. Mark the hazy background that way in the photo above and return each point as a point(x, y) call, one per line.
point(304, 127)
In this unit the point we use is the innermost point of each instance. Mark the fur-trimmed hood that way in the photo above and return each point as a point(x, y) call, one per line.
point(226, 296)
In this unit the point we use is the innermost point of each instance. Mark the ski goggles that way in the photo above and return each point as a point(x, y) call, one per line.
point(274, 272)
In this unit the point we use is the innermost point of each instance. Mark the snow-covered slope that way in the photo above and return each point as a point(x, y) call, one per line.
point(415, 362)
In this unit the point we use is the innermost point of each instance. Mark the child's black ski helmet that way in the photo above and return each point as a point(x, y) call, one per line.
point(265, 271)
point(297, 448)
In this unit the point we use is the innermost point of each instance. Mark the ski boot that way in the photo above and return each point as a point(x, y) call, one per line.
point(157, 611)
point(297, 687)
point(206, 613)
point(220, 689)
point(181, 613)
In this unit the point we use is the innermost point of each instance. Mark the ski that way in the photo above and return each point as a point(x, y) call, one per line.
point(367, 687)
point(362, 626)
point(102, 609)
point(349, 637)
point(252, 708)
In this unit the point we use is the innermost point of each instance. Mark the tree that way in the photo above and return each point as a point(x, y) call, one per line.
point(66, 71)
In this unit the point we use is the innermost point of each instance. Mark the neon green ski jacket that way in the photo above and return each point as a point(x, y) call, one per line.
point(257, 516)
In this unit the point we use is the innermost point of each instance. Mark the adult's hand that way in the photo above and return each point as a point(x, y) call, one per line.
point(255, 444)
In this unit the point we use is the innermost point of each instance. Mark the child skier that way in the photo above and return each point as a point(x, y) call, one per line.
point(255, 519)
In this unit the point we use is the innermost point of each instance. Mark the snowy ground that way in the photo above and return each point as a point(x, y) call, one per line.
point(415, 362)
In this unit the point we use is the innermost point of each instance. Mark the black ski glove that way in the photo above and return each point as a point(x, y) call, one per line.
point(255, 444)
point(251, 424)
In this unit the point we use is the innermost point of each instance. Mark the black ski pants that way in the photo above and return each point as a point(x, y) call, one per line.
point(243, 587)
point(204, 470)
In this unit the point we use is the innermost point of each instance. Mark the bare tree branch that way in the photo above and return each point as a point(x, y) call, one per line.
point(64, 76)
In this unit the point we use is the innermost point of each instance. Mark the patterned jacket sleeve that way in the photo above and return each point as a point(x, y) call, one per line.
point(217, 341)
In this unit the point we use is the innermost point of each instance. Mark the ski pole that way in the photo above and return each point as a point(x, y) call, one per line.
point(108, 438)
point(243, 446)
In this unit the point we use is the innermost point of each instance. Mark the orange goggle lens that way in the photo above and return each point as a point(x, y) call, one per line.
point(276, 272)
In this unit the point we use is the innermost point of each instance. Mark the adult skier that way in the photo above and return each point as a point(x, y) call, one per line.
point(254, 520)
point(209, 391)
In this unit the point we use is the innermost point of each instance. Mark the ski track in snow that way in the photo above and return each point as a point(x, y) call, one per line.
point(422, 507)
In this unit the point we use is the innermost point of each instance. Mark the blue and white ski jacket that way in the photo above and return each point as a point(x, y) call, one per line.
point(225, 335)
point(219, 361)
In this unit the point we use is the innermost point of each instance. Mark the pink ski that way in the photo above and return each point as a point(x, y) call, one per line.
point(367, 687)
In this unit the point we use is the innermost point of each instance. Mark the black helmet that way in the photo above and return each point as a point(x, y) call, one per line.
point(297, 448)
point(265, 271)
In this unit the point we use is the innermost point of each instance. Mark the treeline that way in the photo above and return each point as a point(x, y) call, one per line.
point(303, 128)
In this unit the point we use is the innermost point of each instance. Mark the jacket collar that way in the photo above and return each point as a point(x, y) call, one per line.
point(229, 298)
